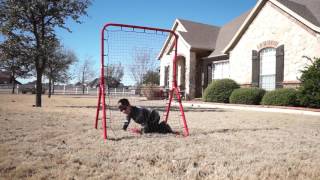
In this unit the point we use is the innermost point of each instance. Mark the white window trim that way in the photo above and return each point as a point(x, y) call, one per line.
point(262, 52)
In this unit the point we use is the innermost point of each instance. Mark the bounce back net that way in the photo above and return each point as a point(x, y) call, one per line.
point(130, 69)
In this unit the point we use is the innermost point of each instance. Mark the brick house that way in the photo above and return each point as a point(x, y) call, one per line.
point(6, 78)
point(265, 47)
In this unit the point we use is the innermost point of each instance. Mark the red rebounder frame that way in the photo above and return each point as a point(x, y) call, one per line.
point(174, 90)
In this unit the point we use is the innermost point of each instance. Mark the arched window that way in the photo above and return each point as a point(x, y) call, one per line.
point(268, 69)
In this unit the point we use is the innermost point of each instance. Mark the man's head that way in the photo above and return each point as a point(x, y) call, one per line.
point(124, 106)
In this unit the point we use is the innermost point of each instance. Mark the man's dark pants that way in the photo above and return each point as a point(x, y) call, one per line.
point(154, 126)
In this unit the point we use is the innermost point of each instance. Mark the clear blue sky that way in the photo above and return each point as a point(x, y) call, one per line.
point(84, 39)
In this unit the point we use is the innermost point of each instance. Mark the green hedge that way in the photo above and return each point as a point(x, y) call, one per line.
point(281, 97)
point(247, 96)
point(219, 90)
point(309, 92)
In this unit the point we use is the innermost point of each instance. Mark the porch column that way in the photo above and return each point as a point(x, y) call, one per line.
point(191, 75)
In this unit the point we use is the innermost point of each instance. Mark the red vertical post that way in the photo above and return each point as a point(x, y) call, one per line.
point(102, 86)
point(174, 80)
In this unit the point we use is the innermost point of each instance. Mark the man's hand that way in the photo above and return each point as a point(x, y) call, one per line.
point(135, 130)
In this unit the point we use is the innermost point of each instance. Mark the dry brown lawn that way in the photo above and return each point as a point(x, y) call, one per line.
point(58, 141)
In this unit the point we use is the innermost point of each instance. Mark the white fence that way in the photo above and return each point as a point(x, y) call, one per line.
point(63, 90)
point(5, 89)
point(71, 90)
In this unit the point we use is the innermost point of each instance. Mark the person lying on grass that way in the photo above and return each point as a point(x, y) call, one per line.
point(148, 119)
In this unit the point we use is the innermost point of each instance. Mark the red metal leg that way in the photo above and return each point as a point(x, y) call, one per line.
point(98, 109)
point(104, 123)
point(169, 105)
point(186, 130)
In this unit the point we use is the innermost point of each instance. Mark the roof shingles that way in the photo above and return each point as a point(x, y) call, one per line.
point(308, 9)
point(198, 35)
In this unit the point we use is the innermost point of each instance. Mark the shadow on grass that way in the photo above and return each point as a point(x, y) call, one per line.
point(232, 131)
point(120, 138)
point(149, 135)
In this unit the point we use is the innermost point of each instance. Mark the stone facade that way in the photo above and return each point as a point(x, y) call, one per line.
point(273, 27)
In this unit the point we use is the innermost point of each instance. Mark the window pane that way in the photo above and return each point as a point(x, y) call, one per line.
point(220, 70)
point(268, 82)
point(225, 70)
point(268, 68)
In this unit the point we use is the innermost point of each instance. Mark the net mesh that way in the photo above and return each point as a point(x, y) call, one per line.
point(132, 71)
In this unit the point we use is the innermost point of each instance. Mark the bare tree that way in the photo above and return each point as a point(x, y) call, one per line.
point(152, 78)
point(58, 66)
point(114, 74)
point(86, 73)
point(143, 63)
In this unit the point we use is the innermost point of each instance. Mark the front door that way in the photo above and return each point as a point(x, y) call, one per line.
point(206, 75)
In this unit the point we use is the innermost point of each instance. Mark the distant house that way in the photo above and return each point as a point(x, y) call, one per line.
point(78, 84)
point(264, 47)
point(6, 78)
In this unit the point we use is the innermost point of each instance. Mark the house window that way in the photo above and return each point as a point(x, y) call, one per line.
point(220, 70)
point(268, 69)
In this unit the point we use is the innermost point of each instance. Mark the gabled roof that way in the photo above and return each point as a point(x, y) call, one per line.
point(226, 33)
point(198, 35)
point(305, 11)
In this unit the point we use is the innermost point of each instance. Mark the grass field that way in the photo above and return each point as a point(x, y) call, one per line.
point(58, 141)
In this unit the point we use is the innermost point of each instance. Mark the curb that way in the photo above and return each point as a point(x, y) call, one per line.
point(254, 108)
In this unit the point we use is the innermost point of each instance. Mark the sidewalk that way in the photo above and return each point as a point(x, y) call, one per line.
point(261, 108)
